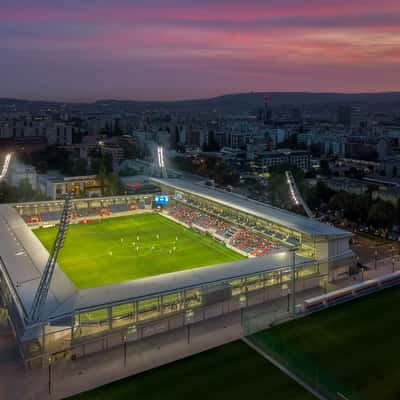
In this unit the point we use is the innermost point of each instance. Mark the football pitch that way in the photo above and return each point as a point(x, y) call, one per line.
point(118, 249)
point(230, 372)
point(353, 345)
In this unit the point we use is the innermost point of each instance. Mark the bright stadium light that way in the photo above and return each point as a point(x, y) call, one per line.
point(5, 166)
point(295, 194)
point(292, 191)
point(160, 156)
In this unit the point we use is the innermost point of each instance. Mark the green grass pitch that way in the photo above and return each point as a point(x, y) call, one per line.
point(123, 248)
point(354, 344)
point(230, 372)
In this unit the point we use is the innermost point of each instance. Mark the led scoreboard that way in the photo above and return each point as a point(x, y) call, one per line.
point(161, 200)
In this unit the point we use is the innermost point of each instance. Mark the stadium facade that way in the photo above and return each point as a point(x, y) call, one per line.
point(77, 322)
point(311, 237)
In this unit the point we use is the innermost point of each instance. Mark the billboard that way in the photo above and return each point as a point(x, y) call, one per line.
point(161, 200)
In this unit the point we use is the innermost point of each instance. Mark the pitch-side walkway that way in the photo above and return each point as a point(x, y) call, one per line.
point(73, 377)
point(98, 369)
point(68, 378)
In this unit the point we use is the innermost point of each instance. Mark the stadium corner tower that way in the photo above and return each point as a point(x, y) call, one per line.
point(283, 254)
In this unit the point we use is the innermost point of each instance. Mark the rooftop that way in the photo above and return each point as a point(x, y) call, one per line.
point(25, 257)
point(276, 215)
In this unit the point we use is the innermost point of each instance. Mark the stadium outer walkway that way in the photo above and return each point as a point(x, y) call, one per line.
point(72, 377)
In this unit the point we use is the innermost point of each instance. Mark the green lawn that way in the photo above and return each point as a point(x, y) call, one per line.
point(356, 344)
point(230, 372)
point(94, 255)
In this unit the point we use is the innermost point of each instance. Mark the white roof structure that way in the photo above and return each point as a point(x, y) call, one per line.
point(276, 215)
point(175, 281)
point(24, 258)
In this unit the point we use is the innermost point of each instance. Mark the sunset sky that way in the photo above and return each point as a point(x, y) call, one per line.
point(172, 49)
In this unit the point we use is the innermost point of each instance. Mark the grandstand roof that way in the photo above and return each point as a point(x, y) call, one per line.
point(276, 215)
point(25, 257)
point(174, 281)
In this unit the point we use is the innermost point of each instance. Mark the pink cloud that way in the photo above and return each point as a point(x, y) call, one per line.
point(230, 44)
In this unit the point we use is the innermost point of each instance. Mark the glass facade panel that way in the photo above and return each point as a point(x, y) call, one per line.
point(58, 340)
point(123, 314)
point(286, 275)
point(148, 308)
point(307, 270)
point(272, 278)
point(91, 322)
point(172, 303)
point(237, 287)
point(193, 298)
point(254, 282)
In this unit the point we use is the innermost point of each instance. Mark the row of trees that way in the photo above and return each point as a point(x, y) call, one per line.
point(20, 193)
point(213, 168)
point(361, 209)
point(69, 164)
point(58, 158)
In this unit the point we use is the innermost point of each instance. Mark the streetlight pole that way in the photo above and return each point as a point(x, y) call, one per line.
point(358, 266)
point(125, 338)
point(288, 300)
point(294, 282)
point(49, 376)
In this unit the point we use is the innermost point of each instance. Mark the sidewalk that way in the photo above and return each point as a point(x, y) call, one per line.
point(73, 377)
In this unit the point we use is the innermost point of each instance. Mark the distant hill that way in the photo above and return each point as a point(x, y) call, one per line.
point(242, 102)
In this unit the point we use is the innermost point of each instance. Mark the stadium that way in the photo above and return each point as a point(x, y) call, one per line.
point(132, 267)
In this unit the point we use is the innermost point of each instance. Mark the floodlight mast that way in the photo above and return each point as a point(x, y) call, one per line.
point(6, 165)
point(44, 285)
point(164, 173)
point(159, 164)
point(295, 194)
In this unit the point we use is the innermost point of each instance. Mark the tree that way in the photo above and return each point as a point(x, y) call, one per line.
point(324, 167)
point(22, 192)
point(25, 190)
point(115, 185)
point(80, 167)
point(177, 135)
point(8, 193)
point(102, 174)
point(381, 214)
point(398, 212)
point(317, 195)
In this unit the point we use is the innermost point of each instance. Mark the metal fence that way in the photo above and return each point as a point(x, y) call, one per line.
point(302, 367)
point(98, 330)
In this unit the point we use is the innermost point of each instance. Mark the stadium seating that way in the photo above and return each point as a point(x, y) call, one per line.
point(117, 208)
point(242, 239)
point(86, 212)
point(226, 226)
point(51, 216)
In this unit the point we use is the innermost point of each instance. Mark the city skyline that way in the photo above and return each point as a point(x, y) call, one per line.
point(150, 51)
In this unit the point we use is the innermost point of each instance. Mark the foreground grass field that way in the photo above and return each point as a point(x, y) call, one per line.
point(230, 372)
point(355, 343)
point(119, 249)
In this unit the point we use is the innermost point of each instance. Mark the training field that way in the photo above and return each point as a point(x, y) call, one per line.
point(230, 372)
point(355, 345)
point(123, 248)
